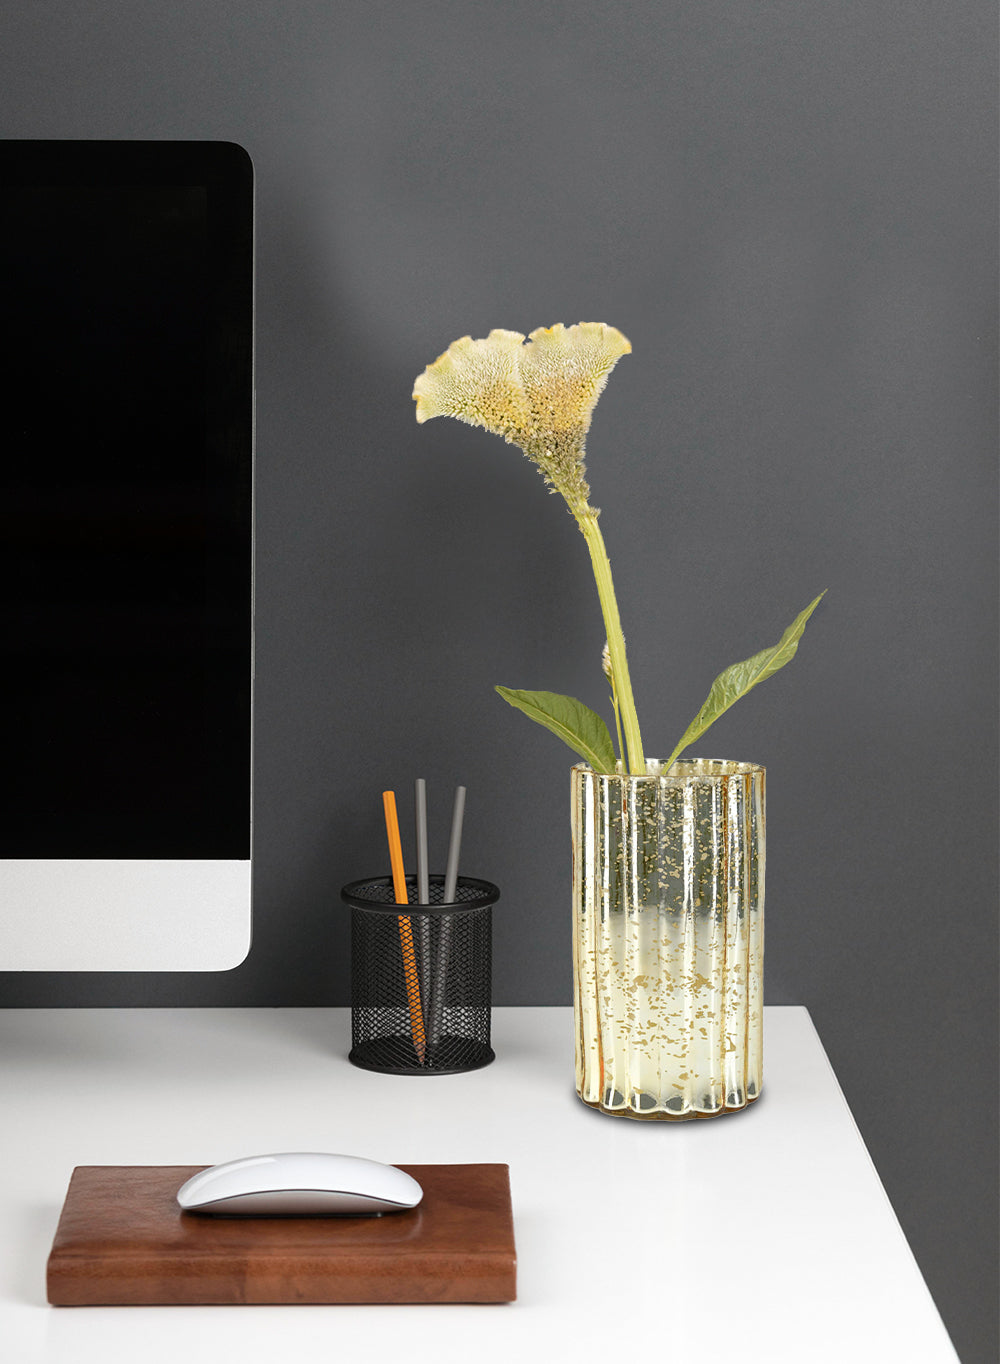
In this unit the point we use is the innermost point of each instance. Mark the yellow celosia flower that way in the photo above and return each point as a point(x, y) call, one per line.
point(538, 393)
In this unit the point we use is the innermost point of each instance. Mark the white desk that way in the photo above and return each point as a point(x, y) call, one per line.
point(765, 1236)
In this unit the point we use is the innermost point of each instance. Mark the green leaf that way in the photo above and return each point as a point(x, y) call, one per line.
point(736, 680)
point(576, 724)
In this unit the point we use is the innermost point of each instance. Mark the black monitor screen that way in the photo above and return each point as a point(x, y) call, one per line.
point(125, 500)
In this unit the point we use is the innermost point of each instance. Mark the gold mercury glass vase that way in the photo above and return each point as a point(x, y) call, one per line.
point(668, 939)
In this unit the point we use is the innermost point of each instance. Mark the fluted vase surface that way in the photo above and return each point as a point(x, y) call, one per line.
point(668, 938)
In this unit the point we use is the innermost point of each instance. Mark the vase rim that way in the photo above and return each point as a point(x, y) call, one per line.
point(682, 769)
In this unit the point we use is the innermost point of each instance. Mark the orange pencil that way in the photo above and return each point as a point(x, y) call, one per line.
point(405, 928)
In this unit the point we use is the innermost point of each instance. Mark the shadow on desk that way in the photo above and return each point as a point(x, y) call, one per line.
point(32, 1227)
point(319, 1031)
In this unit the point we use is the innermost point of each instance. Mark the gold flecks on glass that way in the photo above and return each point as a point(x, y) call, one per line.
point(668, 945)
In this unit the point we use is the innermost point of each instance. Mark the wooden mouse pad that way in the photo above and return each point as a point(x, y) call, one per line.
point(123, 1240)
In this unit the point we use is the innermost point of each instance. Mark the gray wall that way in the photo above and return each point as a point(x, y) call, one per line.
point(789, 209)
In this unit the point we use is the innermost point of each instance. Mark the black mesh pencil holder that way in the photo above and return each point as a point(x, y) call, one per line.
point(421, 977)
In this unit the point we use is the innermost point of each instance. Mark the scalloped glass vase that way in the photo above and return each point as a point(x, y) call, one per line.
point(668, 939)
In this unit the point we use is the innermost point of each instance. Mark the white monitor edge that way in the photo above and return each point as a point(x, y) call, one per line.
point(108, 914)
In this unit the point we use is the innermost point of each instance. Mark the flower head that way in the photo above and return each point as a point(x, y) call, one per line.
point(538, 393)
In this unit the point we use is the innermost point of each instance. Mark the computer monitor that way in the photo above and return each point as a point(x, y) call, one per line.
point(126, 536)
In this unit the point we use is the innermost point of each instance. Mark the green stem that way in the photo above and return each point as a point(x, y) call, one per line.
point(616, 640)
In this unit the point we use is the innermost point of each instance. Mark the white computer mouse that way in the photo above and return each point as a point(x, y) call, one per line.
point(300, 1184)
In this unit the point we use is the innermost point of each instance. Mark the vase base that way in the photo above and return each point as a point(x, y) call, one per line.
point(660, 1116)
